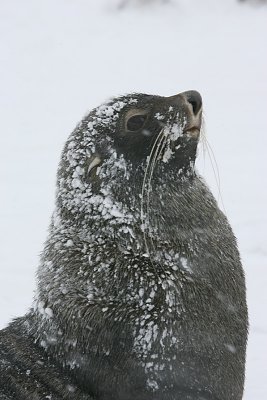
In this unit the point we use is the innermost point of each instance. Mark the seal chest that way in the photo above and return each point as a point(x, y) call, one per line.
point(141, 293)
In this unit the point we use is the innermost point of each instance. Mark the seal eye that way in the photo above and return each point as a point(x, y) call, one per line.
point(136, 122)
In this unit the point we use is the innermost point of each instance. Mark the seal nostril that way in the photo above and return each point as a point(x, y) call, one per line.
point(195, 100)
point(194, 105)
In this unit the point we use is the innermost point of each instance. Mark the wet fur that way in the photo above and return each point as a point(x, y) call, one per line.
point(145, 305)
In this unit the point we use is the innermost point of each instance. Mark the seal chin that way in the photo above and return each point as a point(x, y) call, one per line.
point(192, 132)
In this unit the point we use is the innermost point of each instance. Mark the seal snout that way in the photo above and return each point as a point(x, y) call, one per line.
point(194, 101)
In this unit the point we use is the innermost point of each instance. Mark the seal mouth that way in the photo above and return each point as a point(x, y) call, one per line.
point(192, 132)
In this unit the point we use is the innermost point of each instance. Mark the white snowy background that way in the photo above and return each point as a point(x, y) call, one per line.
point(59, 58)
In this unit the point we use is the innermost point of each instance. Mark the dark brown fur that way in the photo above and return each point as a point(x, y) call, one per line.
point(141, 293)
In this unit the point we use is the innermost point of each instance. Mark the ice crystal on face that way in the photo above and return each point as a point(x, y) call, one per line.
point(159, 116)
point(177, 130)
point(49, 312)
point(172, 133)
point(167, 154)
point(185, 264)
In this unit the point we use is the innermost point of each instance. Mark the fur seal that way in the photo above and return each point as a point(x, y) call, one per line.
point(141, 293)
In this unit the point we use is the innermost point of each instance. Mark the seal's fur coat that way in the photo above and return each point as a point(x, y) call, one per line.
point(141, 293)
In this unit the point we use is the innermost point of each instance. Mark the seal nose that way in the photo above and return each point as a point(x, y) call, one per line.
point(194, 99)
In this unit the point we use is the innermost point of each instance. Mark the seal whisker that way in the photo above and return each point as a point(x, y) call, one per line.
point(145, 188)
point(206, 148)
point(160, 146)
point(215, 169)
point(152, 158)
point(202, 137)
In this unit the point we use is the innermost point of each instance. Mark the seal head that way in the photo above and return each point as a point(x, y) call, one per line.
point(117, 142)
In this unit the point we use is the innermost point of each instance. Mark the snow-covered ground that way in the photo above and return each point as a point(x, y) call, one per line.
point(60, 58)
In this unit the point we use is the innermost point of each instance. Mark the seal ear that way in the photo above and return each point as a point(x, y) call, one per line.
point(91, 167)
point(95, 160)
